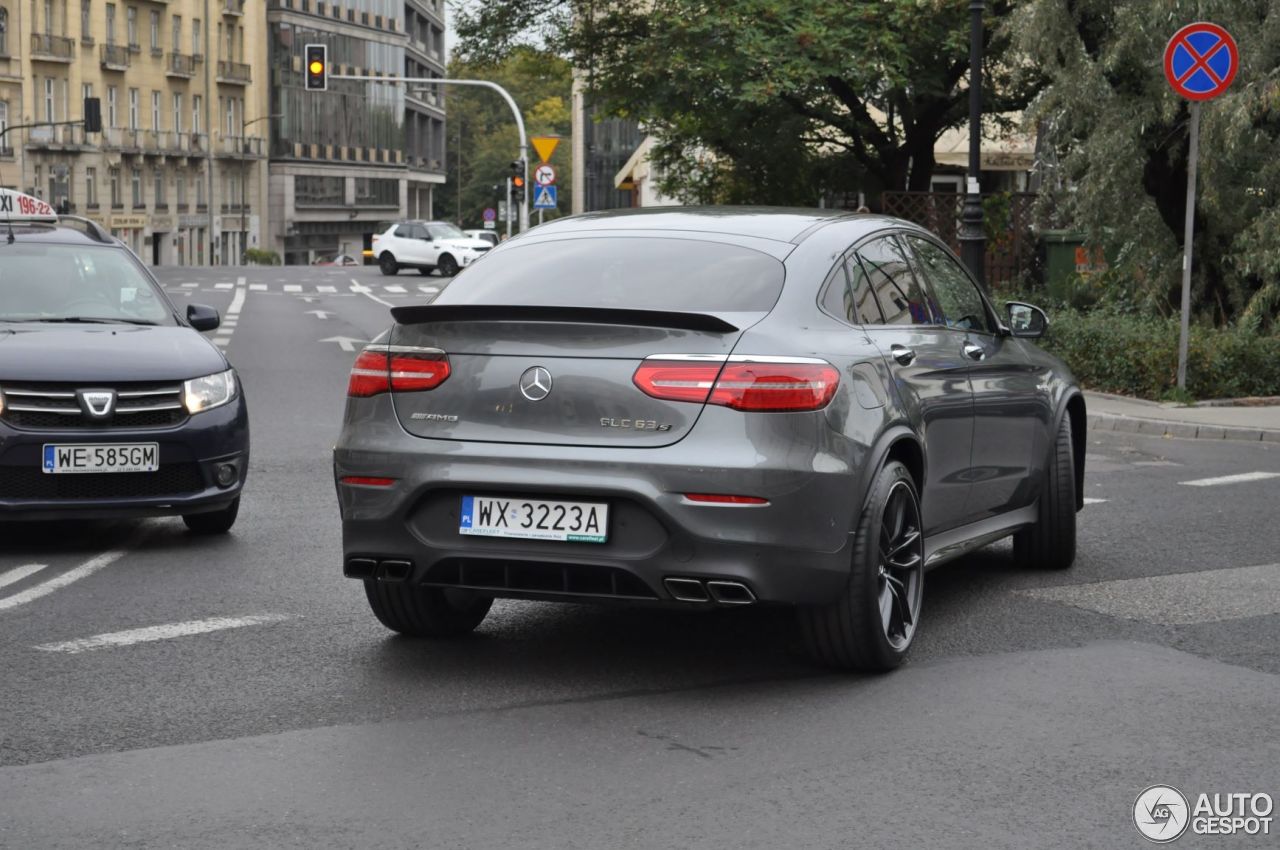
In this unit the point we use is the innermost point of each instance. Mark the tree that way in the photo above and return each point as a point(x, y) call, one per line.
point(483, 133)
point(1117, 164)
point(791, 96)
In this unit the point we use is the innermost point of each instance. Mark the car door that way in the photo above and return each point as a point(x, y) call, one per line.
point(930, 374)
point(408, 243)
point(1008, 405)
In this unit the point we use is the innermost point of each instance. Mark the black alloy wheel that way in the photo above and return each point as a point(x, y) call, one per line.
point(447, 265)
point(387, 265)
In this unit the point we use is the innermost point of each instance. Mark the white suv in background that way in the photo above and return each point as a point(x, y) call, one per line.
point(425, 246)
point(490, 236)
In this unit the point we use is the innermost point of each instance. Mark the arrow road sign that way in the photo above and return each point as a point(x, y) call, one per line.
point(545, 199)
point(1201, 60)
point(345, 342)
point(544, 175)
point(319, 314)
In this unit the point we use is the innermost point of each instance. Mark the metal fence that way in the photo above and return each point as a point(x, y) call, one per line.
point(1010, 226)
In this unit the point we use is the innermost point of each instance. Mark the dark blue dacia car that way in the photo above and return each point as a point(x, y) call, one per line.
point(111, 402)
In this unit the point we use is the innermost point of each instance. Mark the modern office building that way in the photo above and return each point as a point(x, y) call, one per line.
point(179, 169)
point(346, 160)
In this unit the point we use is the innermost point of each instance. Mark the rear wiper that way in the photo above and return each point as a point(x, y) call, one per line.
point(94, 320)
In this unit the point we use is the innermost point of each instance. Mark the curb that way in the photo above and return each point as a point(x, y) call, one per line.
point(1181, 430)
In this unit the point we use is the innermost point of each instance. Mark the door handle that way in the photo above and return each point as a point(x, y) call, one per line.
point(902, 354)
point(974, 352)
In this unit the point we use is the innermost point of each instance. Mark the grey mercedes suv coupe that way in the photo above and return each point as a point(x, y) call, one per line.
point(706, 408)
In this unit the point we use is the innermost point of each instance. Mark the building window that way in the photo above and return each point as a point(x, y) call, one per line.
point(159, 181)
point(137, 188)
point(48, 21)
point(91, 187)
point(131, 15)
point(49, 105)
point(377, 192)
point(181, 181)
point(133, 109)
point(86, 31)
point(177, 33)
point(111, 23)
point(155, 31)
point(4, 117)
point(36, 188)
point(155, 111)
point(113, 176)
point(195, 38)
point(4, 31)
point(231, 117)
point(199, 180)
point(86, 91)
point(177, 112)
point(112, 112)
point(197, 101)
point(310, 190)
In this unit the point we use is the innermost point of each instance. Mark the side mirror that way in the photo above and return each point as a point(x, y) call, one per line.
point(1026, 320)
point(202, 317)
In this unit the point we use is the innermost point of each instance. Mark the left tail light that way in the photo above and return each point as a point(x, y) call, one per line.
point(395, 370)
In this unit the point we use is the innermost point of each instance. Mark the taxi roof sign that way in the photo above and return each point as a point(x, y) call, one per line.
point(16, 206)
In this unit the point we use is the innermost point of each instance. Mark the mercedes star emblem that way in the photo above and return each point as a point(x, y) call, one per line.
point(535, 383)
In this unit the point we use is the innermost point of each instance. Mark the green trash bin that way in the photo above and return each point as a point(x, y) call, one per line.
point(1067, 260)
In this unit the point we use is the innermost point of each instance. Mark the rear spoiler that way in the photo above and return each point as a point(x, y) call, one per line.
point(423, 313)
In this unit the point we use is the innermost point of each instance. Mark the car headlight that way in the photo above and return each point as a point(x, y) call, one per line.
point(209, 392)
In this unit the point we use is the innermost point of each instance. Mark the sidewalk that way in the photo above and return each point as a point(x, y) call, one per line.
point(1136, 416)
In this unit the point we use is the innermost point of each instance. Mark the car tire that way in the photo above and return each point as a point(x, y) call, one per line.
point(431, 612)
point(447, 265)
point(387, 264)
point(426, 271)
point(854, 632)
point(1050, 544)
point(213, 522)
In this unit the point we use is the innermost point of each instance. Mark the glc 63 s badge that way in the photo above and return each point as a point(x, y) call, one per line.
point(633, 424)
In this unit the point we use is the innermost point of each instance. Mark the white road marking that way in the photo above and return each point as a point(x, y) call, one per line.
point(221, 340)
point(1089, 501)
point(85, 570)
point(429, 290)
point(356, 286)
point(1231, 479)
point(394, 287)
point(165, 632)
point(224, 286)
point(326, 289)
point(292, 287)
point(346, 343)
point(190, 285)
point(258, 287)
point(17, 574)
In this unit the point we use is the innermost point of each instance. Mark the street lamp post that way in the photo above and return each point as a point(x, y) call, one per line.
point(244, 207)
point(973, 240)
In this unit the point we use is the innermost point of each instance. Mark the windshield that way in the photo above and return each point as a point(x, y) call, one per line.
point(445, 231)
point(51, 283)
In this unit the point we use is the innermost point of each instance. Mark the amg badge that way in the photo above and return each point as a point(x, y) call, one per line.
point(434, 417)
point(633, 424)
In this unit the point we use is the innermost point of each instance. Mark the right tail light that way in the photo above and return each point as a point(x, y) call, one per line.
point(765, 385)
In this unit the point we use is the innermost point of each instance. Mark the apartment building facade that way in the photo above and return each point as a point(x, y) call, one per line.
point(345, 161)
point(179, 171)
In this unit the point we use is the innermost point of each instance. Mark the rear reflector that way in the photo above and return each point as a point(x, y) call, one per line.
point(378, 370)
point(367, 481)
point(716, 498)
point(762, 385)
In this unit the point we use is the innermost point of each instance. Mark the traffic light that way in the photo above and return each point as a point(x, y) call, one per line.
point(517, 180)
point(317, 70)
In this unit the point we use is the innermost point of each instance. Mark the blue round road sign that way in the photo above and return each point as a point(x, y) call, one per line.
point(490, 214)
point(1201, 60)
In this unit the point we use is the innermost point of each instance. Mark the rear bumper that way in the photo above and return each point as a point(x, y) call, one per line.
point(795, 549)
point(190, 455)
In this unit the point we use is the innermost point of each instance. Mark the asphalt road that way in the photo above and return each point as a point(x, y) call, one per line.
point(1034, 709)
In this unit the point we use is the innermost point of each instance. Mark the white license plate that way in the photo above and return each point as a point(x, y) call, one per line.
point(532, 519)
point(101, 457)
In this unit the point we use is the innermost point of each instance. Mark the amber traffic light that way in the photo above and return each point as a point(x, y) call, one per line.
point(517, 180)
point(317, 61)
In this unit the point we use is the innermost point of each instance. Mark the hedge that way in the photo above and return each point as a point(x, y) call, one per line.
point(1138, 355)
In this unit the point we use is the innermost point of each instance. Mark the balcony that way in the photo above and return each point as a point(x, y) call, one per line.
point(114, 57)
point(179, 65)
point(52, 48)
point(119, 139)
point(241, 147)
point(233, 7)
point(54, 138)
point(234, 73)
point(87, 40)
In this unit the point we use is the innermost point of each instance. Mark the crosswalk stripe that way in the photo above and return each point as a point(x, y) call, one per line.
point(224, 286)
point(1231, 479)
point(394, 287)
point(429, 290)
point(292, 287)
point(190, 285)
point(258, 287)
point(17, 574)
point(326, 289)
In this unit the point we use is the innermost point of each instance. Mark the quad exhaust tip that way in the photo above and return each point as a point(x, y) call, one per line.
point(696, 590)
point(368, 568)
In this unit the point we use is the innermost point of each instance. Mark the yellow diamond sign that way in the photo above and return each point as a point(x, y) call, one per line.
point(545, 146)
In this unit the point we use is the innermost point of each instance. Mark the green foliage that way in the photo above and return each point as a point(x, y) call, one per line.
point(261, 257)
point(1116, 165)
point(483, 134)
point(789, 97)
point(1138, 355)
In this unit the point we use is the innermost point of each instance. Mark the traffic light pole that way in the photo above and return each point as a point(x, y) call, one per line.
point(515, 111)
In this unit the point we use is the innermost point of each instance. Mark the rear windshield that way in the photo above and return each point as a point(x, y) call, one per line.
point(680, 275)
point(53, 282)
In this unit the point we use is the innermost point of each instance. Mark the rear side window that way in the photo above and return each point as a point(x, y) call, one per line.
point(405, 231)
point(848, 294)
point(682, 275)
point(886, 267)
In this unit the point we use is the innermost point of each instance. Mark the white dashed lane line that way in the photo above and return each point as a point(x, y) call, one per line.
point(229, 322)
point(17, 574)
point(167, 631)
point(85, 570)
point(1092, 501)
point(1231, 479)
